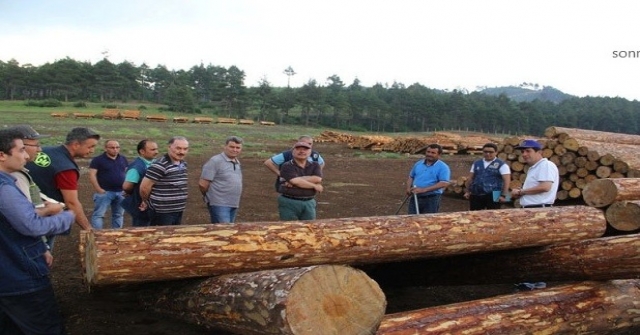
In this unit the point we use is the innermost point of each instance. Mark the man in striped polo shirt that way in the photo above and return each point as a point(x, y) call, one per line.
point(164, 186)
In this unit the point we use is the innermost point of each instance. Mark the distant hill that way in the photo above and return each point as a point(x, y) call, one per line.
point(527, 92)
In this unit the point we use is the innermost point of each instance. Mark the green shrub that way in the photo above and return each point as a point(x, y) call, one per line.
point(80, 104)
point(110, 106)
point(142, 107)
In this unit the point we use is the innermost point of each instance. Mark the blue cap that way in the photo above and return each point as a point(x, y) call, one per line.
point(529, 144)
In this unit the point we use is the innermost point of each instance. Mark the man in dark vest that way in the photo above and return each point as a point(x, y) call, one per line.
point(275, 162)
point(488, 175)
point(55, 171)
point(147, 151)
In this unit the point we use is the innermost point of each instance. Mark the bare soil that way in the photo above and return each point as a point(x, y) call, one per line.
point(354, 187)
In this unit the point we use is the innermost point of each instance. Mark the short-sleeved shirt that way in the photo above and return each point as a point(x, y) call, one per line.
point(543, 170)
point(290, 170)
point(170, 189)
point(133, 176)
point(110, 171)
point(424, 175)
point(225, 177)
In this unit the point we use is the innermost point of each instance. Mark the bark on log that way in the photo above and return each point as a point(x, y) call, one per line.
point(593, 135)
point(603, 192)
point(606, 258)
point(624, 215)
point(326, 299)
point(172, 252)
point(581, 308)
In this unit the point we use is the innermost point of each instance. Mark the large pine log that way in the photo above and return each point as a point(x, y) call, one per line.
point(171, 252)
point(593, 135)
point(624, 215)
point(581, 308)
point(603, 192)
point(325, 299)
point(607, 258)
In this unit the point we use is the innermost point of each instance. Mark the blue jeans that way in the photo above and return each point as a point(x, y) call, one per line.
point(426, 204)
point(222, 214)
point(31, 313)
point(102, 203)
point(164, 219)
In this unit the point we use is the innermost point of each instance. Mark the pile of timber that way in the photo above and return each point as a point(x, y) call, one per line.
point(111, 114)
point(203, 120)
point(226, 120)
point(450, 142)
point(180, 119)
point(246, 122)
point(620, 198)
point(60, 115)
point(267, 123)
point(294, 278)
point(83, 115)
point(131, 115)
point(582, 156)
point(156, 118)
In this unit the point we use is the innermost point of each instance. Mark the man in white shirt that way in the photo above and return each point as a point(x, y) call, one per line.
point(541, 185)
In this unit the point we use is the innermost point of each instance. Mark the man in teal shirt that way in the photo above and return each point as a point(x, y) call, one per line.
point(147, 151)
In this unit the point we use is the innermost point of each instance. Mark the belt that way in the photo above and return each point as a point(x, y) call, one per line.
point(537, 206)
point(297, 198)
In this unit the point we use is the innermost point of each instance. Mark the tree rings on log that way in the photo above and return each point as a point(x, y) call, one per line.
point(325, 299)
point(603, 192)
point(624, 215)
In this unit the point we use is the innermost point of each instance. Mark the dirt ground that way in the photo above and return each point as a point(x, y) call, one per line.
point(354, 187)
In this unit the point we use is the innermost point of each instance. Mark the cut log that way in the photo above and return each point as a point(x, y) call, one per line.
point(172, 252)
point(624, 215)
point(581, 308)
point(606, 258)
point(603, 171)
point(326, 299)
point(603, 192)
point(593, 135)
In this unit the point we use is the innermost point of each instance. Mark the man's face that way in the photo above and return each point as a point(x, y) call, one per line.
point(531, 156)
point(301, 152)
point(17, 157)
point(150, 151)
point(232, 149)
point(32, 147)
point(489, 153)
point(178, 150)
point(432, 154)
point(112, 148)
point(84, 149)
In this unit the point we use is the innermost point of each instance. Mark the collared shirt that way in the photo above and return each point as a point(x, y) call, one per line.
point(543, 170)
point(170, 189)
point(225, 177)
point(425, 175)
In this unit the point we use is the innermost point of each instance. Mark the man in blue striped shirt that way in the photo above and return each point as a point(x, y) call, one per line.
point(165, 184)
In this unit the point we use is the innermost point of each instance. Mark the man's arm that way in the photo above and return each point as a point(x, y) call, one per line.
point(272, 166)
point(468, 183)
point(73, 203)
point(145, 188)
point(93, 178)
point(302, 182)
point(203, 185)
point(506, 181)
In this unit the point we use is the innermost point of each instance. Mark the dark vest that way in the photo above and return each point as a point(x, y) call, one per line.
point(485, 181)
point(133, 201)
point(48, 163)
point(288, 155)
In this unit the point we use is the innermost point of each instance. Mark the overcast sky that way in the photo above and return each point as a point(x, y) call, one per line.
point(444, 44)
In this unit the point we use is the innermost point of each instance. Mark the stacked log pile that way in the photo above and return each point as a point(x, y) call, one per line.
point(620, 198)
point(582, 156)
point(450, 142)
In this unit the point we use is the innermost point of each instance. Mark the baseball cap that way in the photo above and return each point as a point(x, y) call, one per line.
point(302, 144)
point(82, 133)
point(28, 133)
point(529, 144)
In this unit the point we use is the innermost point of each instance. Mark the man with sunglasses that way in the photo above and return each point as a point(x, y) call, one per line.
point(486, 176)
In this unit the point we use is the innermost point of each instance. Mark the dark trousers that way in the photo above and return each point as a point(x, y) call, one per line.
point(31, 313)
point(165, 219)
point(426, 204)
point(480, 202)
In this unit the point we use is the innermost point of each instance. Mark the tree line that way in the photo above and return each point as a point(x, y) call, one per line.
point(216, 90)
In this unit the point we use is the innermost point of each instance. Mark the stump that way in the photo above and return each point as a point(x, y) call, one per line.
point(326, 299)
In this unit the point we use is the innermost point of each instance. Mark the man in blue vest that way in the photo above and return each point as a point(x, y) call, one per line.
point(486, 176)
point(147, 151)
point(275, 162)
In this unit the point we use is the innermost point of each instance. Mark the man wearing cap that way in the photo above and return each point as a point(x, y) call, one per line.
point(56, 173)
point(275, 162)
point(301, 181)
point(541, 184)
point(106, 174)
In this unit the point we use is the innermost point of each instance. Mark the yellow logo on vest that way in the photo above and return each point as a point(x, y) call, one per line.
point(42, 160)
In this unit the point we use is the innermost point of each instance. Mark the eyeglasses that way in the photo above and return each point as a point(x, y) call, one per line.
point(488, 152)
point(113, 147)
point(32, 145)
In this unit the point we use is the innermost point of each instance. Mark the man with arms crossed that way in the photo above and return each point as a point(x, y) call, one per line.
point(301, 181)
